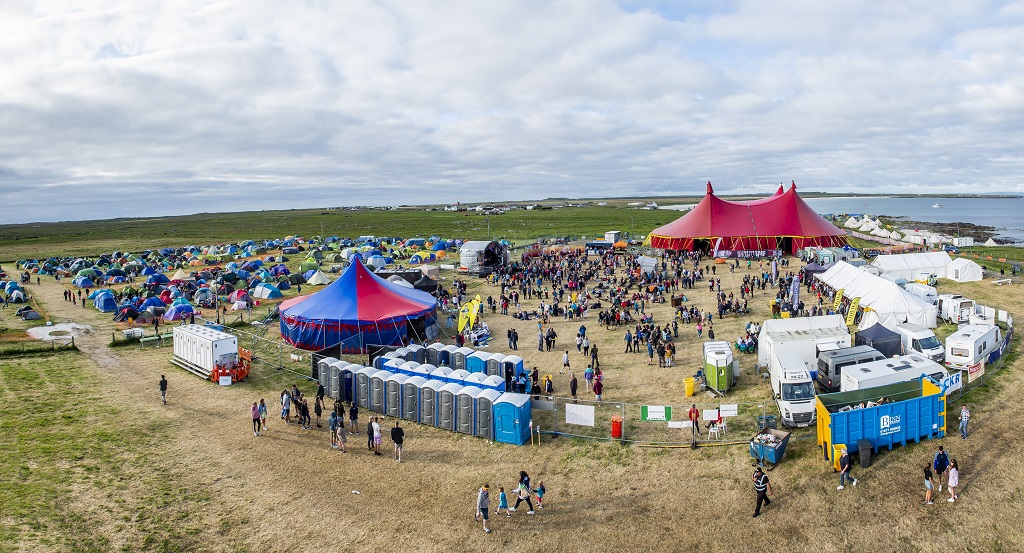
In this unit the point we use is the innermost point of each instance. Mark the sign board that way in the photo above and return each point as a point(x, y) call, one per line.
point(709, 415)
point(729, 410)
point(952, 383)
point(543, 405)
point(975, 371)
point(839, 299)
point(655, 412)
point(225, 380)
point(853, 311)
point(581, 415)
point(679, 424)
point(748, 254)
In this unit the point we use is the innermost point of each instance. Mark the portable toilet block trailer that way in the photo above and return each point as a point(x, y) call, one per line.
point(477, 362)
point(475, 379)
point(416, 353)
point(440, 373)
point(393, 395)
point(430, 392)
point(459, 358)
point(446, 408)
point(446, 356)
point(457, 376)
point(377, 390)
point(465, 403)
point(323, 371)
point(512, 419)
point(362, 386)
point(718, 366)
point(485, 413)
point(411, 398)
point(433, 353)
point(494, 365)
point(494, 382)
point(513, 361)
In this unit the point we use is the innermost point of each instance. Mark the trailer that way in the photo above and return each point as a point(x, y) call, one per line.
point(208, 353)
point(880, 417)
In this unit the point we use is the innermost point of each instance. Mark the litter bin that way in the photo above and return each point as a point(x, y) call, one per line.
point(689, 383)
point(864, 452)
point(766, 422)
point(617, 427)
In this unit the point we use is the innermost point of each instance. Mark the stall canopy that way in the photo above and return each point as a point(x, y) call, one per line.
point(883, 300)
point(781, 221)
point(358, 310)
point(887, 342)
point(963, 270)
point(908, 265)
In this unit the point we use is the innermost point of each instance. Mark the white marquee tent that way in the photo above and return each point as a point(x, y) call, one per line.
point(908, 265)
point(888, 303)
point(963, 270)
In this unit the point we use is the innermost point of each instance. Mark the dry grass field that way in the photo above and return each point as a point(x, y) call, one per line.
point(91, 461)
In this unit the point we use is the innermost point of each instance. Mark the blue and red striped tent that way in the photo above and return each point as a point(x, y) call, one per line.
point(357, 310)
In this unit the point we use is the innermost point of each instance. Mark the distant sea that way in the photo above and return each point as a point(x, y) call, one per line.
point(1005, 214)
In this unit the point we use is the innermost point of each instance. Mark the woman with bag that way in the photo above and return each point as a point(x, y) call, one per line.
point(954, 480)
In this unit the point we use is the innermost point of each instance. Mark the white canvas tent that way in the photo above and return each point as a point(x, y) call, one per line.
point(181, 275)
point(991, 242)
point(318, 278)
point(908, 265)
point(963, 270)
point(890, 304)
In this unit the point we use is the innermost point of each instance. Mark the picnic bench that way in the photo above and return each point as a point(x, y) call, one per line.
point(1002, 281)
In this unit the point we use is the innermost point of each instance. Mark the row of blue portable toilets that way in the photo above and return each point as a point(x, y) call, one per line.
point(462, 391)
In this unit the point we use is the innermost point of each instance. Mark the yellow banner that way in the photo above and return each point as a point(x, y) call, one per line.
point(839, 299)
point(474, 310)
point(464, 312)
point(853, 311)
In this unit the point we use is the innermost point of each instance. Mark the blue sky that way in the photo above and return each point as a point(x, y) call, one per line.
point(140, 108)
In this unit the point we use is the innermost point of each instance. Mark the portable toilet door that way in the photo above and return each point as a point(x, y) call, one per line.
point(394, 395)
point(411, 398)
point(494, 365)
point(457, 377)
point(346, 380)
point(391, 365)
point(477, 362)
point(362, 386)
point(485, 413)
point(512, 419)
point(430, 392)
point(493, 382)
point(465, 403)
point(446, 411)
point(377, 390)
point(513, 361)
point(718, 365)
point(334, 378)
point(440, 373)
point(475, 379)
point(323, 371)
point(408, 368)
point(459, 358)
point(433, 354)
point(424, 371)
point(445, 356)
point(416, 353)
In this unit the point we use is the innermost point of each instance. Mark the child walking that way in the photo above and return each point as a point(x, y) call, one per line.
point(263, 415)
point(540, 495)
point(502, 502)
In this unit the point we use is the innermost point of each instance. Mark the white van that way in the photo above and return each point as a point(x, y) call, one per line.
point(955, 308)
point(971, 344)
point(793, 389)
point(898, 369)
point(920, 339)
point(831, 364)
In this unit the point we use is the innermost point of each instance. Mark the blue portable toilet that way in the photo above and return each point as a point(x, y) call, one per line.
point(513, 361)
point(393, 395)
point(447, 396)
point(457, 377)
point(342, 373)
point(378, 391)
point(445, 356)
point(411, 398)
point(424, 371)
point(477, 362)
point(512, 418)
point(465, 404)
point(378, 362)
point(361, 386)
point(440, 373)
point(493, 382)
point(391, 365)
point(429, 393)
point(494, 364)
point(408, 368)
point(485, 413)
point(474, 379)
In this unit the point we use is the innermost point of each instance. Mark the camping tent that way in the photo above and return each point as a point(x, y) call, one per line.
point(963, 270)
point(909, 265)
point(890, 304)
point(266, 291)
point(318, 278)
point(432, 271)
point(990, 243)
point(780, 221)
point(358, 310)
point(887, 342)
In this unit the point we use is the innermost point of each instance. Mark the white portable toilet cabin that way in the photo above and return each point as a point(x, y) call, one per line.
point(334, 378)
point(465, 403)
point(408, 368)
point(459, 358)
point(362, 386)
point(323, 371)
point(447, 396)
point(380, 360)
point(493, 382)
point(430, 392)
point(345, 390)
point(433, 353)
point(377, 390)
point(445, 357)
point(424, 371)
point(485, 413)
point(457, 376)
point(440, 373)
point(411, 398)
point(402, 353)
point(477, 362)
point(494, 364)
point(416, 353)
point(513, 361)
point(475, 379)
point(393, 395)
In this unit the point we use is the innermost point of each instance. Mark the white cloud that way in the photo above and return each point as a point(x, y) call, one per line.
point(145, 107)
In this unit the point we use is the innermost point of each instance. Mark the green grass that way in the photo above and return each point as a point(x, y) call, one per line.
point(78, 473)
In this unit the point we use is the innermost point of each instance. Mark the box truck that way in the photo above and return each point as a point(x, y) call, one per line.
point(898, 369)
point(955, 308)
point(831, 364)
point(921, 340)
point(792, 388)
point(971, 344)
point(804, 336)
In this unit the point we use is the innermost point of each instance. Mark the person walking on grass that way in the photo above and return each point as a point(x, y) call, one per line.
point(332, 425)
point(503, 503)
point(376, 436)
point(954, 479)
point(342, 434)
point(940, 463)
point(572, 386)
point(255, 413)
point(263, 416)
point(762, 487)
point(928, 484)
point(483, 505)
point(398, 436)
point(163, 389)
point(845, 470)
point(523, 494)
point(598, 388)
point(565, 362)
